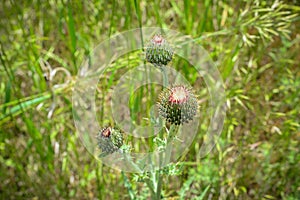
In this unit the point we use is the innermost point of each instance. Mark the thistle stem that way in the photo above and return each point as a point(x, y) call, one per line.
point(159, 184)
point(159, 177)
point(171, 134)
point(165, 76)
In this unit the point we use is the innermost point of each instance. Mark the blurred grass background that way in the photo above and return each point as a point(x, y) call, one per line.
point(255, 44)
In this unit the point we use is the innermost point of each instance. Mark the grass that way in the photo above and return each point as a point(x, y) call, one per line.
point(255, 45)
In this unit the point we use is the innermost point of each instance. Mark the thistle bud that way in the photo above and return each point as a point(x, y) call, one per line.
point(177, 105)
point(109, 140)
point(158, 51)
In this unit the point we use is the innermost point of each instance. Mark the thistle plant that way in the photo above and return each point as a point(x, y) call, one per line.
point(110, 140)
point(158, 51)
point(177, 105)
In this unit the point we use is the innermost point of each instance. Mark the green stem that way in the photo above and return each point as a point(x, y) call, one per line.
point(148, 183)
point(157, 176)
point(171, 134)
point(165, 76)
point(159, 185)
point(132, 164)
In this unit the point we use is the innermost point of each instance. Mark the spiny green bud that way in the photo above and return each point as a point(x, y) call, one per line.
point(177, 105)
point(110, 140)
point(158, 51)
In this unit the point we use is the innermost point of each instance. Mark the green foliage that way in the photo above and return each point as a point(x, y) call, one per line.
point(255, 45)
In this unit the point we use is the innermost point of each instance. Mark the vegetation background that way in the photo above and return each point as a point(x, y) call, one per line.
point(255, 44)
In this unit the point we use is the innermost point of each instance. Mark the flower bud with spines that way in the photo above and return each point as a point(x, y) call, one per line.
point(110, 140)
point(158, 51)
point(178, 105)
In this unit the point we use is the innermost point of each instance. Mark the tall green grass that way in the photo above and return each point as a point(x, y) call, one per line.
point(255, 45)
